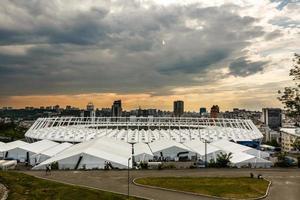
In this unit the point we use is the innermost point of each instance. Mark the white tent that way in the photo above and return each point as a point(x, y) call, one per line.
point(169, 149)
point(12, 145)
point(237, 148)
point(23, 152)
point(2, 149)
point(142, 152)
point(246, 160)
point(92, 154)
point(198, 147)
point(48, 153)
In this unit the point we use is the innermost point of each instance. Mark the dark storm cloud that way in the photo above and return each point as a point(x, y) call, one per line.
point(244, 67)
point(97, 50)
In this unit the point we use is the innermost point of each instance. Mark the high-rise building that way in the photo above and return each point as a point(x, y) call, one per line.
point(272, 117)
point(178, 108)
point(116, 109)
point(214, 111)
point(90, 109)
point(90, 106)
point(202, 110)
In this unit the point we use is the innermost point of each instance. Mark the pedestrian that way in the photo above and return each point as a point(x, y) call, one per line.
point(49, 168)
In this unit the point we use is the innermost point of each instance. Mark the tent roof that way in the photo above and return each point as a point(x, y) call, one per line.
point(2, 146)
point(230, 146)
point(39, 146)
point(105, 148)
point(142, 148)
point(165, 144)
point(199, 147)
point(244, 157)
point(56, 149)
point(15, 144)
point(240, 157)
point(237, 148)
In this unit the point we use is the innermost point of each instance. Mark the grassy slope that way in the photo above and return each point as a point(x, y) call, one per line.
point(241, 187)
point(22, 186)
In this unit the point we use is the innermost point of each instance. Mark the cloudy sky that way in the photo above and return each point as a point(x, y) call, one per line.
point(147, 53)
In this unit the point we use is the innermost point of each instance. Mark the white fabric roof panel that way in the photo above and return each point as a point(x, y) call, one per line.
point(2, 146)
point(243, 159)
point(102, 148)
point(142, 152)
point(56, 149)
point(160, 145)
point(39, 146)
point(15, 144)
point(199, 147)
point(237, 148)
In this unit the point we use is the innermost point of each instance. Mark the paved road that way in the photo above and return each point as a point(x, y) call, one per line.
point(285, 182)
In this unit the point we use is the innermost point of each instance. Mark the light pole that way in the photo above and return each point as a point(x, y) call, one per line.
point(205, 144)
point(128, 177)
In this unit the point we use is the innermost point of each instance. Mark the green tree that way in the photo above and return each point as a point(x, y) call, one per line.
point(290, 96)
point(296, 144)
point(223, 160)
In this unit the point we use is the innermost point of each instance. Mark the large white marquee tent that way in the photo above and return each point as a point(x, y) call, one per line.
point(93, 154)
point(24, 152)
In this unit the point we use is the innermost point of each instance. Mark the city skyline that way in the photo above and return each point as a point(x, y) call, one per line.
point(202, 52)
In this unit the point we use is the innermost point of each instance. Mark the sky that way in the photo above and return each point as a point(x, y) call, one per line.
point(147, 53)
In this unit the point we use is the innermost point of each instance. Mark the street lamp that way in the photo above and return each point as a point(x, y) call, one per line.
point(128, 177)
point(205, 143)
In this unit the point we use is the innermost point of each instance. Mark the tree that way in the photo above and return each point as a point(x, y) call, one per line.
point(223, 160)
point(290, 97)
point(296, 144)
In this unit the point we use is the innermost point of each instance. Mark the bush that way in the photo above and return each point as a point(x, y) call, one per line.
point(168, 166)
point(212, 163)
point(223, 160)
point(283, 161)
point(144, 165)
point(54, 166)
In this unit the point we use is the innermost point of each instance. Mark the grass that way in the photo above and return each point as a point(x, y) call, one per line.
point(240, 187)
point(23, 187)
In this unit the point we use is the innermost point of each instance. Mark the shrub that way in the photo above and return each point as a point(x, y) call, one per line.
point(54, 166)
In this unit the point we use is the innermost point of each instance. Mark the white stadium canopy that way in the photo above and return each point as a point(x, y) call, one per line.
point(142, 129)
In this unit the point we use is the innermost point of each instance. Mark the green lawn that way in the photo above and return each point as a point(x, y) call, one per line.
point(240, 187)
point(22, 186)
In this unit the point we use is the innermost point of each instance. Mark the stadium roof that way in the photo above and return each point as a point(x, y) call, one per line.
point(141, 129)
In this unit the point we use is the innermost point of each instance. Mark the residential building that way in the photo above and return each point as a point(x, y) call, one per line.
point(288, 137)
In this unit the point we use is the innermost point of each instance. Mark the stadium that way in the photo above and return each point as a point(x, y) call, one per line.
point(142, 129)
point(96, 142)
